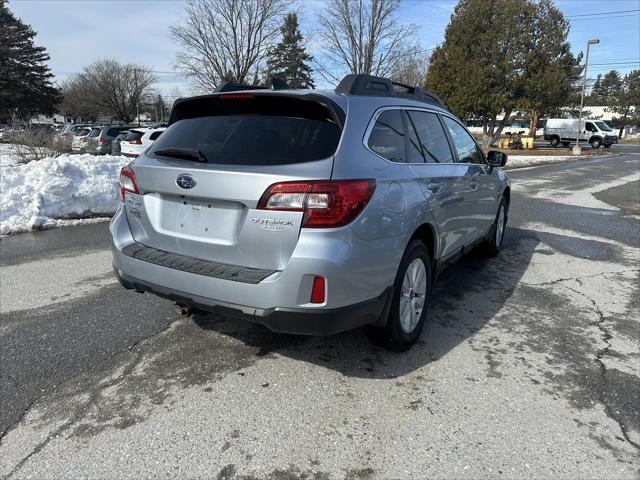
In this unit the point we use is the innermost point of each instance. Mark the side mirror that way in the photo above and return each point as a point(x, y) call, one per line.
point(496, 158)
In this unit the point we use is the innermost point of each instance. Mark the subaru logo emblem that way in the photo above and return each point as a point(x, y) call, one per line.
point(186, 181)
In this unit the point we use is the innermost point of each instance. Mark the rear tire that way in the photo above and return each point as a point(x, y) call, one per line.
point(554, 141)
point(596, 142)
point(493, 244)
point(409, 303)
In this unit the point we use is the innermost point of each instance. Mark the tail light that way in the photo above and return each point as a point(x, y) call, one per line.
point(102, 140)
point(127, 181)
point(236, 96)
point(137, 141)
point(325, 203)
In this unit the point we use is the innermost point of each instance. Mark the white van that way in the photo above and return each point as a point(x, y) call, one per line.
point(563, 130)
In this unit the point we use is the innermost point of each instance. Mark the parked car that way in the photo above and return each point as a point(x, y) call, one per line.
point(138, 140)
point(100, 139)
point(564, 130)
point(307, 211)
point(79, 142)
point(115, 144)
point(69, 130)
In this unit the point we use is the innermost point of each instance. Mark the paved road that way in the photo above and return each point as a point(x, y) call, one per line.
point(528, 367)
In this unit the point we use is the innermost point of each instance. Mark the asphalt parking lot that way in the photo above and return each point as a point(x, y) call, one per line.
point(528, 367)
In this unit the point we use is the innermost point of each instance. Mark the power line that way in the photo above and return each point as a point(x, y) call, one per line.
point(617, 63)
point(602, 13)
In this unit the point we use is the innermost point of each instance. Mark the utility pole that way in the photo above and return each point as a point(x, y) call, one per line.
point(576, 149)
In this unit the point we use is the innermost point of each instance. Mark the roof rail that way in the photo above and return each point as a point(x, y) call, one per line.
point(361, 84)
point(276, 84)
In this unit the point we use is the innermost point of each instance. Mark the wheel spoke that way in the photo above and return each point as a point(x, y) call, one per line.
point(414, 319)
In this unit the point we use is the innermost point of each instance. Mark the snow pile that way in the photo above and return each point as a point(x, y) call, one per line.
point(53, 191)
point(518, 161)
point(7, 155)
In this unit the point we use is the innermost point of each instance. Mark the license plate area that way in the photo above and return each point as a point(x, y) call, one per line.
point(202, 219)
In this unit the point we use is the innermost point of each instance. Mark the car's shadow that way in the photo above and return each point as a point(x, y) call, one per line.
point(465, 297)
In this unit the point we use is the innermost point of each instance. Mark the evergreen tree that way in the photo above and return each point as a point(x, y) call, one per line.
point(500, 56)
point(26, 86)
point(626, 101)
point(611, 84)
point(595, 97)
point(288, 60)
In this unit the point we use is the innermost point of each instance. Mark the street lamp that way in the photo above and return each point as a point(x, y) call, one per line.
point(576, 149)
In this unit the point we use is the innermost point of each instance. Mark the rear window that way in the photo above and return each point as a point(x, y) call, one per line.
point(94, 133)
point(133, 136)
point(82, 132)
point(154, 135)
point(113, 132)
point(253, 139)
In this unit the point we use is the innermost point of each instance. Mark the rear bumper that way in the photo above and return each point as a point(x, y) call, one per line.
point(98, 149)
point(281, 320)
point(357, 282)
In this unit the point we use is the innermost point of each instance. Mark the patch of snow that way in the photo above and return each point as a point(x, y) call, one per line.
point(58, 191)
point(7, 156)
point(519, 161)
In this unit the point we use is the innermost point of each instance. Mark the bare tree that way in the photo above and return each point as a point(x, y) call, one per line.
point(108, 87)
point(361, 36)
point(411, 67)
point(226, 40)
point(77, 102)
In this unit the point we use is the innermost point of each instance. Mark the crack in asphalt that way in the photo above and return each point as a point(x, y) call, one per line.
point(96, 389)
point(578, 278)
point(606, 336)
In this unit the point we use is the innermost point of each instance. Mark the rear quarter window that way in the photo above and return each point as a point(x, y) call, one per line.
point(154, 135)
point(387, 136)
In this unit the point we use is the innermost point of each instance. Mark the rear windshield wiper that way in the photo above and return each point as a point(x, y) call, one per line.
point(186, 153)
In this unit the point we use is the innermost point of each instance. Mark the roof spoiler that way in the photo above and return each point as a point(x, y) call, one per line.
point(361, 84)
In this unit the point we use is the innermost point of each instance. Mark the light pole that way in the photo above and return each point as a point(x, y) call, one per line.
point(576, 149)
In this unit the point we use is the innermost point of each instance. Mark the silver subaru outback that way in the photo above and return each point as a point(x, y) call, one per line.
point(310, 212)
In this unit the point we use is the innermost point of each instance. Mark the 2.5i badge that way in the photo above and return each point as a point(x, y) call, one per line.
point(134, 205)
point(271, 224)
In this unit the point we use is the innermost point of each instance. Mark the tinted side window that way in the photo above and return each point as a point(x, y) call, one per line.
point(154, 135)
point(590, 127)
point(432, 137)
point(387, 136)
point(464, 143)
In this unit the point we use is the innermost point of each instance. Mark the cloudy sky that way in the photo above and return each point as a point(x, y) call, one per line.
point(77, 32)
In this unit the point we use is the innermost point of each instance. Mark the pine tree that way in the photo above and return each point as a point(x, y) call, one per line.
point(26, 84)
point(611, 84)
point(502, 56)
point(288, 60)
point(595, 98)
